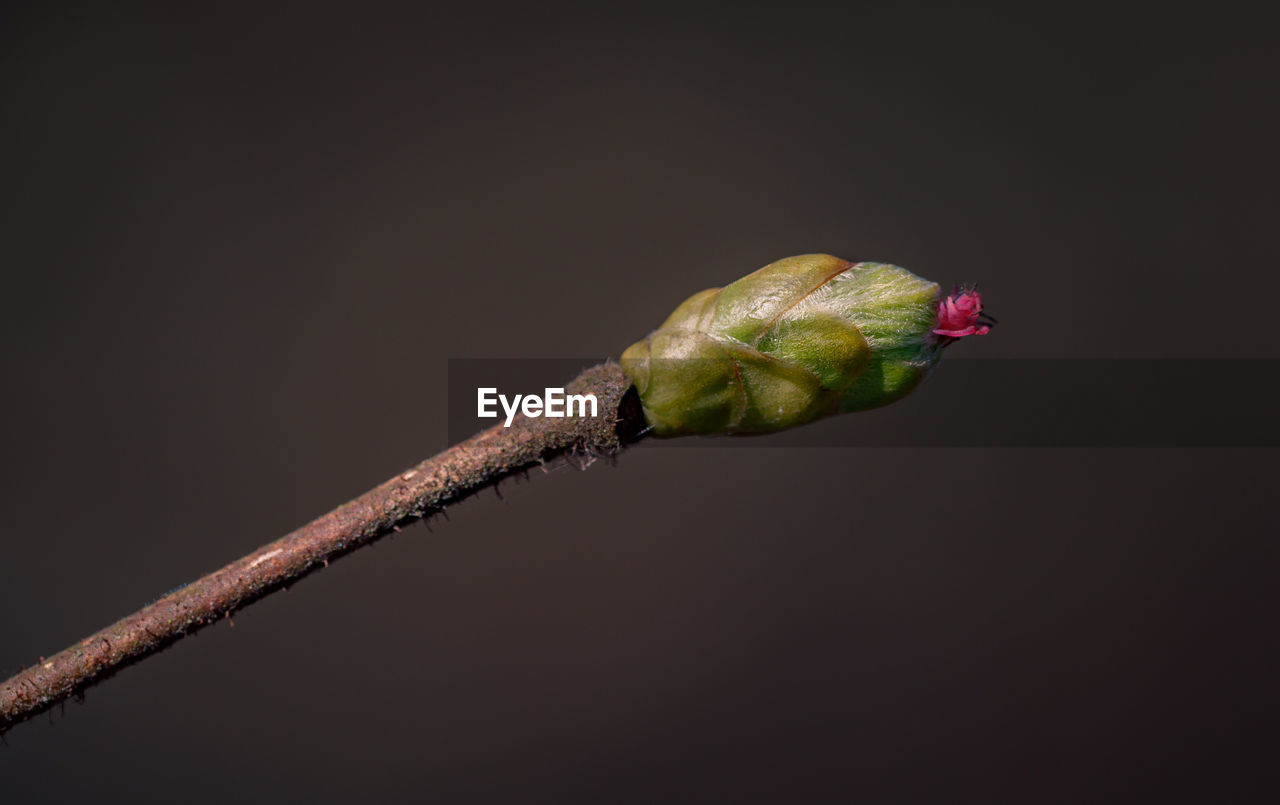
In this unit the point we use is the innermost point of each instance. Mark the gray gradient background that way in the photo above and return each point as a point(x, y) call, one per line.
point(240, 244)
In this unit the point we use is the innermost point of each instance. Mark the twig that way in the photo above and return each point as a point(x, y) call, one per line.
point(421, 491)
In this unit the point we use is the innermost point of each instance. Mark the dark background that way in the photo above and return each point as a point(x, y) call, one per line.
point(241, 243)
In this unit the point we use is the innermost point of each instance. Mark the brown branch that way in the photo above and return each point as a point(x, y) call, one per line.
point(480, 461)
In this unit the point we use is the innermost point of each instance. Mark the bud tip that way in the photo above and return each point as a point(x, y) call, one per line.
point(960, 314)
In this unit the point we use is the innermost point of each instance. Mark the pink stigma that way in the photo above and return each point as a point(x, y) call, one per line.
point(959, 313)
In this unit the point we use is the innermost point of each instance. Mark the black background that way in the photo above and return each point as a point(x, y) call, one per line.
point(240, 244)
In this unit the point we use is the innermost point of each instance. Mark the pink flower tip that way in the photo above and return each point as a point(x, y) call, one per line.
point(960, 314)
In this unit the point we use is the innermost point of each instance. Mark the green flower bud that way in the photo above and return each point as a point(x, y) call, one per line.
point(798, 340)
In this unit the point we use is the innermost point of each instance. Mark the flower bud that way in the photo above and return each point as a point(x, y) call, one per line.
point(798, 340)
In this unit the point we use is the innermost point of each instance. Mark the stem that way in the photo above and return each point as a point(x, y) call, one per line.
point(481, 461)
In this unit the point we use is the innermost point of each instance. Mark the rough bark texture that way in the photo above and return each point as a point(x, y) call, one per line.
point(420, 491)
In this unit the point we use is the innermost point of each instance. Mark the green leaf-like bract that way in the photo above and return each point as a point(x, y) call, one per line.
point(802, 338)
